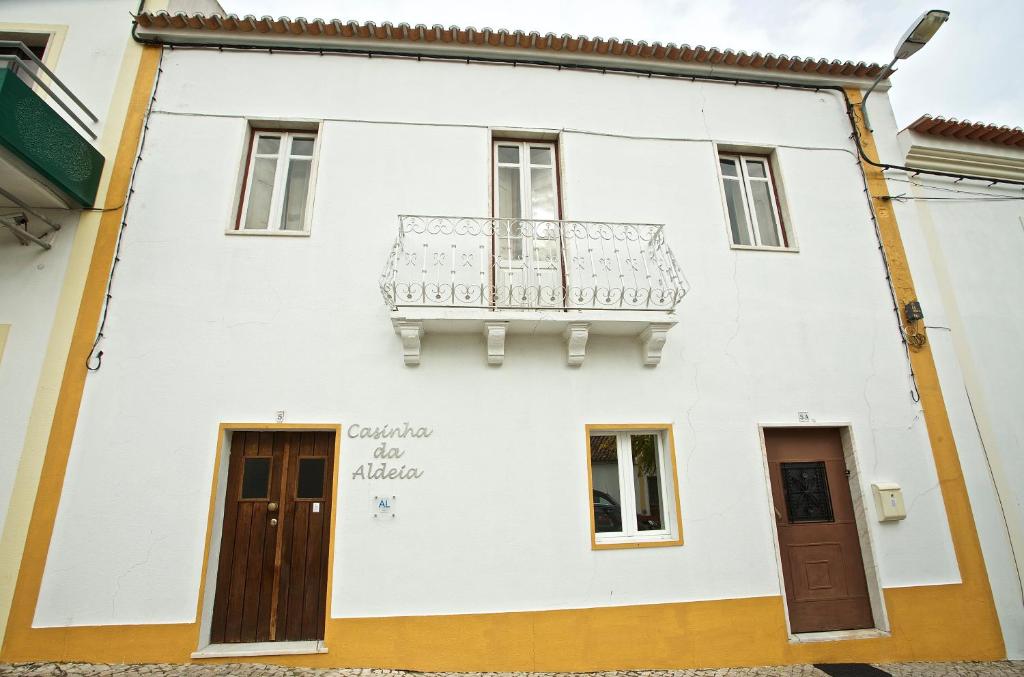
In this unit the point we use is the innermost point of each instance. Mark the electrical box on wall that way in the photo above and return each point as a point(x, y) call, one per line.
point(889, 501)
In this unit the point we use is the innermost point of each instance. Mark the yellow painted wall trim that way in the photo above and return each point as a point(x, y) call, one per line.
point(670, 442)
point(5, 329)
point(931, 623)
point(72, 384)
point(966, 543)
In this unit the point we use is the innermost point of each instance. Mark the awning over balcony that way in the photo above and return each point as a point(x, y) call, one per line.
point(507, 276)
point(45, 160)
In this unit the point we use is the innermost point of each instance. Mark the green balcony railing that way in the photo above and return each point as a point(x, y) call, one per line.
point(34, 132)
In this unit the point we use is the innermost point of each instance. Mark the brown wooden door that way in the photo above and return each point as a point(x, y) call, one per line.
point(272, 576)
point(822, 567)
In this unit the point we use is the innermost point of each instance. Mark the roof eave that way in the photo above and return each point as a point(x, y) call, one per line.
point(192, 36)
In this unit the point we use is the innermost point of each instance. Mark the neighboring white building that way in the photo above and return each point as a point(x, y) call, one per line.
point(67, 70)
point(974, 235)
point(630, 390)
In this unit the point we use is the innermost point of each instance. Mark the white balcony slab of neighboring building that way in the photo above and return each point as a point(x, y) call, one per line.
point(499, 277)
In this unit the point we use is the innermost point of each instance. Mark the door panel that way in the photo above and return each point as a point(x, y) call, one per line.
point(272, 577)
point(822, 567)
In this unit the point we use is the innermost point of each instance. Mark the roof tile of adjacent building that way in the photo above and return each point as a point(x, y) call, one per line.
point(514, 41)
point(968, 131)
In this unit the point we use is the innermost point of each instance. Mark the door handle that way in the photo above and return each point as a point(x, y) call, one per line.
point(273, 522)
point(272, 507)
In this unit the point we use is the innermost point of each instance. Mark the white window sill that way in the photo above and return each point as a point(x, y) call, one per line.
point(268, 233)
point(245, 649)
point(758, 248)
point(625, 542)
point(836, 635)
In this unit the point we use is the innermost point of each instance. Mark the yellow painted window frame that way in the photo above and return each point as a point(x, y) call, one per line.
point(670, 448)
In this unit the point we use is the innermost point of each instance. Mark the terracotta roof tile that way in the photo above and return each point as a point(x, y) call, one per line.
point(512, 40)
point(968, 131)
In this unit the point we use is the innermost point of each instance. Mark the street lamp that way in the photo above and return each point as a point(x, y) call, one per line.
point(914, 39)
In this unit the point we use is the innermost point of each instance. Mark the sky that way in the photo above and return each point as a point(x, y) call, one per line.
point(970, 69)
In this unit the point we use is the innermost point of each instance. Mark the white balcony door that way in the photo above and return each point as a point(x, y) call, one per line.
point(527, 241)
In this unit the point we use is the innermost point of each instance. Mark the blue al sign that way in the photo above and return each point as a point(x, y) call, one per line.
point(383, 505)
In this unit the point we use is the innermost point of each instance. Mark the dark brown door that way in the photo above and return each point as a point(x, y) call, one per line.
point(272, 576)
point(822, 566)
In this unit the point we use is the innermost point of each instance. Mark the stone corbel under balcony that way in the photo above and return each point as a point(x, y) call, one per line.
point(576, 327)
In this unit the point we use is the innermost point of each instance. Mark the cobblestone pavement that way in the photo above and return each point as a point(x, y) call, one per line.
point(998, 669)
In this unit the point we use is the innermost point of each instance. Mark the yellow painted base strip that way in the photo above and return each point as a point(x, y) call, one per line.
point(933, 623)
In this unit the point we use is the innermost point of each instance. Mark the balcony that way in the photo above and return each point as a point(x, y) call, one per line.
point(46, 157)
point(449, 274)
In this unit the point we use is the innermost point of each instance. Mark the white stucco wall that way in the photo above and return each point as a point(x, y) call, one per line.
point(970, 251)
point(91, 39)
point(209, 327)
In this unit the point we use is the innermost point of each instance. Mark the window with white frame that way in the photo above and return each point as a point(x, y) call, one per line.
point(752, 201)
point(526, 187)
point(632, 483)
point(277, 184)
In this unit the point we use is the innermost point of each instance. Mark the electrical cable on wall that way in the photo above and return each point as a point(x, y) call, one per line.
point(94, 360)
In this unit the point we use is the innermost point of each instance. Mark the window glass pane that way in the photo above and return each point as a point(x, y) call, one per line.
point(767, 229)
point(755, 169)
point(296, 190)
point(647, 482)
point(311, 478)
point(510, 241)
point(509, 202)
point(267, 145)
point(540, 155)
point(261, 190)
point(604, 473)
point(508, 154)
point(542, 198)
point(737, 218)
point(302, 147)
point(256, 477)
point(805, 487)
point(546, 243)
point(728, 167)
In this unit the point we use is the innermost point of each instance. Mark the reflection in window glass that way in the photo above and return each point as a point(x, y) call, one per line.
point(737, 217)
point(296, 189)
point(755, 169)
point(302, 147)
point(311, 478)
point(508, 193)
point(646, 482)
point(542, 188)
point(604, 469)
point(268, 145)
point(508, 154)
point(767, 229)
point(261, 190)
point(540, 155)
point(256, 477)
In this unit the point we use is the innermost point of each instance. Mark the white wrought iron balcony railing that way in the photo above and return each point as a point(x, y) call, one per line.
point(528, 264)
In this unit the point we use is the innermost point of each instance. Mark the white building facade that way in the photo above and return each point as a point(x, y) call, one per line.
point(68, 70)
point(973, 232)
point(631, 390)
